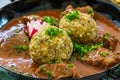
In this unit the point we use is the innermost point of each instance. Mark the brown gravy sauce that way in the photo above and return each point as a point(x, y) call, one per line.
point(23, 62)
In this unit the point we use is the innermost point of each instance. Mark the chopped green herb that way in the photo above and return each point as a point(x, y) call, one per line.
point(96, 45)
point(41, 67)
point(102, 54)
point(107, 35)
point(58, 61)
point(19, 48)
point(24, 47)
point(34, 18)
point(54, 32)
point(82, 58)
point(82, 49)
point(49, 20)
point(70, 65)
point(62, 13)
point(110, 48)
point(24, 40)
point(49, 74)
point(56, 20)
point(68, 33)
point(90, 11)
point(16, 31)
point(100, 44)
point(49, 62)
point(72, 15)
point(15, 47)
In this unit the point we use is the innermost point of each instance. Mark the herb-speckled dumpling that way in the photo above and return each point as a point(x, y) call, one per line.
point(49, 44)
point(81, 26)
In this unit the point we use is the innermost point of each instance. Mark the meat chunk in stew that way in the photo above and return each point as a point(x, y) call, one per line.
point(102, 57)
point(109, 41)
point(58, 70)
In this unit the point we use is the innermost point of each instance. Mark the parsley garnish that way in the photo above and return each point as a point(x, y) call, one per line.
point(83, 59)
point(102, 54)
point(90, 11)
point(49, 20)
point(19, 48)
point(72, 15)
point(54, 32)
point(41, 67)
point(83, 49)
point(110, 48)
point(70, 65)
point(49, 74)
point(58, 61)
point(24, 47)
point(50, 62)
point(25, 40)
point(107, 35)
